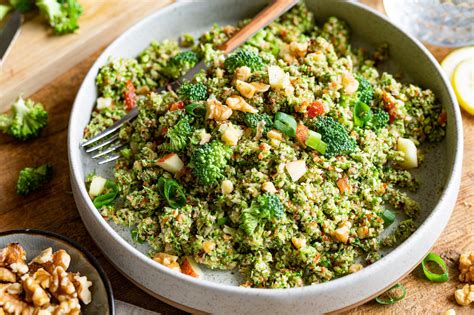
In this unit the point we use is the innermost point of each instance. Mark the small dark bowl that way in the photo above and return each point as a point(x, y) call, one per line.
point(35, 241)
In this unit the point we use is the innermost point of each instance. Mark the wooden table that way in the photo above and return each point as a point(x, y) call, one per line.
point(53, 208)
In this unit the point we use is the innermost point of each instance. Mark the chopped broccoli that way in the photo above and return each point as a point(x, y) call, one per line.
point(379, 120)
point(178, 135)
point(252, 120)
point(31, 179)
point(266, 207)
point(193, 91)
point(186, 40)
point(243, 57)
point(209, 161)
point(26, 121)
point(335, 136)
point(365, 92)
point(22, 5)
point(180, 64)
point(62, 15)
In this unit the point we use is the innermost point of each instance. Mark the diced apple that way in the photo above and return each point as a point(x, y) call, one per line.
point(171, 163)
point(97, 186)
point(104, 102)
point(409, 152)
point(278, 78)
point(191, 268)
point(296, 169)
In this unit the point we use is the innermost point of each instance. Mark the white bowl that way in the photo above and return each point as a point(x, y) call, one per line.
point(218, 292)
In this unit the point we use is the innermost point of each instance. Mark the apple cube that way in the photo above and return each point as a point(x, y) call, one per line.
point(296, 169)
point(171, 163)
point(409, 152)
point(191, 268)
point(97, 186)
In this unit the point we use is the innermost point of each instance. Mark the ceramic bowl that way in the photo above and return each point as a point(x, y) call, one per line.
point(35, 241)
point(219, 292)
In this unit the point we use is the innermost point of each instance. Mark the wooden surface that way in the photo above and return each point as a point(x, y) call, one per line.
point(53, 207)
point(38, 56)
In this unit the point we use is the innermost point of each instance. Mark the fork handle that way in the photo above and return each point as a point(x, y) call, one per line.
point(265, 17)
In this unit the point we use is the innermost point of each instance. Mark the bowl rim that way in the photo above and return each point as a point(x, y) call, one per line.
point(451, 186)
point(90, 258)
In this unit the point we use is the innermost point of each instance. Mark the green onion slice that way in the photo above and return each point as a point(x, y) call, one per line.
point(196, 109)
point(107, 198)
point(392, 296)
point(172, 191)
point(314, 141)
point(362, 113)
point(388, 217)
point(435, 277)
point(285, 123)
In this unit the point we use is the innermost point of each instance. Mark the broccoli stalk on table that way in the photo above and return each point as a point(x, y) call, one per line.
point(266, 207)
point(178, 135)
point(243, 57)
point(252, 121)
point(62, 15)
point(180, 64)
point(193, 91)
point(31, 179)
point(335, 136)
point(26, 120)
point(209, 162)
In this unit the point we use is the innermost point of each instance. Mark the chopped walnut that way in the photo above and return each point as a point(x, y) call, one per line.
point(13, 253)
point(44, 257)
point(246, 89)
point(298, 49)
point(355, 267)
point(216, 111)
point(236, 102)
point(6, 275)
point(168, 260)
point(260, 87)
point(465, 296)
point(43, 278)
point(466, 267)
point(243, 73)
point(82, 286)
point(34, 292)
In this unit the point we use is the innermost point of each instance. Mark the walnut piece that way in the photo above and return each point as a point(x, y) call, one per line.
point(465, 296)
point(216, 111)
point(167, 260)
point(82, 286)
point(6, 275)
point(34, 292)
point(466, 267)
point(236, 102)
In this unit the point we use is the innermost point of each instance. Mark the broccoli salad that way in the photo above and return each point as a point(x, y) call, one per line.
point(284, 160)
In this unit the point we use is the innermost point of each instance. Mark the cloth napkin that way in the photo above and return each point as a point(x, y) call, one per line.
point(122, 308)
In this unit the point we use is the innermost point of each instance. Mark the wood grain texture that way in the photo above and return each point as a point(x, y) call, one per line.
point(38, 56)
point(53, 208)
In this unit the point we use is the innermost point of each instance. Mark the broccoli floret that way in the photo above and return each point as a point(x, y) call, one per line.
point(26, 121)
point(186, 40)
point(209, 161)
point(266, 207)
point(62, 15)
point(335, 136)
point(193, 91)
point(23, 5)
point(243, 57)
point(180, 64)
point(252, 120)
point(365, 92)
point(178, 135)
point(31, 179)
point(379, 120)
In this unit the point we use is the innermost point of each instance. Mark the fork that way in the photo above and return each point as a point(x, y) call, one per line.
point(106, 144)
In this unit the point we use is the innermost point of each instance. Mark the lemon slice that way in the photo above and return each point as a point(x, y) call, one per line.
point(463, 84)
point(454, 58)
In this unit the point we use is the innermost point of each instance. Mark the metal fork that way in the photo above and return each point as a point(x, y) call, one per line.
point(106, 143)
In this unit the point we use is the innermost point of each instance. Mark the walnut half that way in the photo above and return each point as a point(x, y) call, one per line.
point(466, 267)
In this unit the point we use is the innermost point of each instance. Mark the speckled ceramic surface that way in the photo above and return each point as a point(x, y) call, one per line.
point(218, 293)
point(34, 241)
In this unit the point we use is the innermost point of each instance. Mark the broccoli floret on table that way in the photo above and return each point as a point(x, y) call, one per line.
point(252, 121)
point(31, 179)
point(266, 207)
point(62, 15)
point(26, 120)
point(180, 64)
point(193, 91)
point(243, 57)
point(335, 136)
point(178, 135)
point(209, 162)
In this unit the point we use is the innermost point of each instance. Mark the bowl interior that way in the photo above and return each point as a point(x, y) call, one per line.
point(35, 242)
point(368, 31)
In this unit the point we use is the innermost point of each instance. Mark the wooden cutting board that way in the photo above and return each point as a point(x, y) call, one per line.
point(37, 56)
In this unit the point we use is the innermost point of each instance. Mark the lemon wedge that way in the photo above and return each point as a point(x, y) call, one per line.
point(463, 84)
point(454, 58)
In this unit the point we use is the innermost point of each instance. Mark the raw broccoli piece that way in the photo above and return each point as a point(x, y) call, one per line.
point(178, 135)
point(62, 15)
point(31, 179)
point(266, 207)
point(379, 120)
point(365, 92)
point(243, 57)
point(209, 161)
point(193, 91)
point(23, 5)
point(26, 120)
point(252, 120)
point(180, 64)
point(335, 136)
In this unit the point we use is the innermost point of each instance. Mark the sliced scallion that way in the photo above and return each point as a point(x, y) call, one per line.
point(392, 296)
point(286, 124)
point(172, 191)
point(362, 114)
point(435, 277)
point(108, 198)
point(314, 141)
point(388, 217)
point(196, 109)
